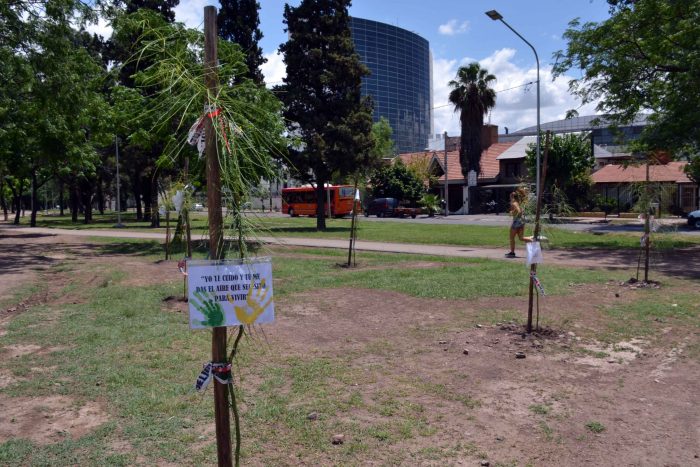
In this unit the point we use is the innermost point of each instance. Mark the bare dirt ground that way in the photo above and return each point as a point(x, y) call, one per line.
point(444, 355)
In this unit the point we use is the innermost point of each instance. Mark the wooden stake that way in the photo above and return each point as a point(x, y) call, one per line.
point(167, 234)
point(218, 342)
point(352, 225)
point(536, 233)
point(647, 226)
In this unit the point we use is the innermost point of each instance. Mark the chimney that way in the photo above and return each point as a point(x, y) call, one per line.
point(489, 135)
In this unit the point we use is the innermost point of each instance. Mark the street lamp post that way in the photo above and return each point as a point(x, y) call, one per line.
point(496, 16)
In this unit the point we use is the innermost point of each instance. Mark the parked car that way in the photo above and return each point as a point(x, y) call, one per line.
point(390, 207)
point(198, 207)
point(694, 219)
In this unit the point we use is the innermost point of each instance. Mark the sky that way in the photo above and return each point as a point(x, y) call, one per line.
point(459, 32)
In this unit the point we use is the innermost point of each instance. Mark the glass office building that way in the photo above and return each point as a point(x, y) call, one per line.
point(400, 84)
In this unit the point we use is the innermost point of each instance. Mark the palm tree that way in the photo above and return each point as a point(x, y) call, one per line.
point(472, 98)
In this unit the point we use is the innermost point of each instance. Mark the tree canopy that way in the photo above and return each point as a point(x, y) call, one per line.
point(321, 94)
point(238, 22)
point(472, 97)
point(397, 181)
point(569, 163)
point(644, 58)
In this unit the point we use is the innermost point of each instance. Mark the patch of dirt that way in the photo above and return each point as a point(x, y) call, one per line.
point(18, 350)
point(532, 410)
point(46, 420)
point(6, 378)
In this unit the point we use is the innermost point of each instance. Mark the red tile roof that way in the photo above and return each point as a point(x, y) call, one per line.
point(489, 164)
point(671, 172)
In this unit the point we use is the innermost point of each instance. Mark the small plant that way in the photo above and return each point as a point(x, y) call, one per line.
point(431, 203)
point(539, 409)
point(595, 427)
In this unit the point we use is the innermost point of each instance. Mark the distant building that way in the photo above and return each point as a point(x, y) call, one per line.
point(401, 81)
point(610, 145)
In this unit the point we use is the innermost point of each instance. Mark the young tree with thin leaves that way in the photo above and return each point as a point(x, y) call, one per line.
point(324, 107)
point(238, 22)
point(472, 97)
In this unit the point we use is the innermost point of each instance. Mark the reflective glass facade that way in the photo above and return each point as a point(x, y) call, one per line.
point(400, 83)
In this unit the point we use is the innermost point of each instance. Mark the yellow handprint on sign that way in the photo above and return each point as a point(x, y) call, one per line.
point(256, 303)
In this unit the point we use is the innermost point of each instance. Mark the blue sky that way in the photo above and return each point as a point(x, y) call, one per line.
point(459, 32)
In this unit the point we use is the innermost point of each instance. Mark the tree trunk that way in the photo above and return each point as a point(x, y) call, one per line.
point(73, 199)
point(86, 190)
point(137, 195)
point(146, 191)
point(34, 203)
point(320, 205)
point(153, 201)
point(100, 196)
point(61, 200)
point(17, 201)
point(2, 198)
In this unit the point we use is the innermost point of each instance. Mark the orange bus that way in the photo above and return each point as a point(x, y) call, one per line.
point(301, 201)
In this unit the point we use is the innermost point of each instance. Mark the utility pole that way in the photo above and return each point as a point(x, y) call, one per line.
point(218, 341)
point(447, 183)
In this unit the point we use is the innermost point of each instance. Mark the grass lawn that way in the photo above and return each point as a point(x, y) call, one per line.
point(107, 340)
point(403, 232)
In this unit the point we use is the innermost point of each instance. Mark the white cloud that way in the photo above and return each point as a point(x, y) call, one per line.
point(274, 69)
point(101, 28)
point(191, 12)
point(515, 108)
point(453, 27)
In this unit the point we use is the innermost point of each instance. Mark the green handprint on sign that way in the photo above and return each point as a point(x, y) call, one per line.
point(210, 308)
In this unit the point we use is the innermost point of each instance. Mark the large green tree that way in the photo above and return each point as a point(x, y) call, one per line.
point(472, 97)
point(644, 58)
point(397, 181)
point(50, 104)
point(139, 154)
point(569, 164)
point(238, 22)
point(324, 107)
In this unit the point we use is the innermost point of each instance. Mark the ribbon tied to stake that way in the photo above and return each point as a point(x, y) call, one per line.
point(538, 284)
point(182, 266)
point(196, 135)
point(220, 371)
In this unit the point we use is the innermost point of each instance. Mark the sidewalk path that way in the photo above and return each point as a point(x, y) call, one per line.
point(677, 262)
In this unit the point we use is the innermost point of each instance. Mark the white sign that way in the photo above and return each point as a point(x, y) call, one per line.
point(471, 178)
point(230, 292)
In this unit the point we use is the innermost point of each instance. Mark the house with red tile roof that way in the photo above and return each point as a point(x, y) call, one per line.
point(615, 182)
point(448, 170)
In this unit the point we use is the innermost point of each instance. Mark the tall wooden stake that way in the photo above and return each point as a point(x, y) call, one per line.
point(536, 233)
point(218, 341)
point(647, 226)
point(352, 225)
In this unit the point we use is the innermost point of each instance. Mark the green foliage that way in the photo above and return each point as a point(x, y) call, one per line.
point(431, 203)
point(324, 107)
point(569, 164)
point(396, 181)
point(238, 22)
point(692, 170)
point(643, 57)
point(606, 205)
point(472, 97)
point(248, 127)
point(595, 427)
point(383, 142)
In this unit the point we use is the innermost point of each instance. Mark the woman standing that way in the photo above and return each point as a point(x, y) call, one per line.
point(517, 227)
